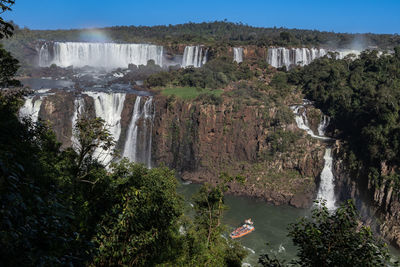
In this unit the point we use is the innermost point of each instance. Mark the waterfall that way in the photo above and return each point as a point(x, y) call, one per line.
point(344, 53)
point(302, 122)
point(107, 55)
point(238, 54)
point(323, 125)
point(108, 106)
point(79, 107)
point(138, 141)
point(131, 137)
point(44, 56)
point(148, 123)
point(281, 56)
point(326, 189)
point(31, 108)
point(194, 56)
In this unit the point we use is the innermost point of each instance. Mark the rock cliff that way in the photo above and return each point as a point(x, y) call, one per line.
point(201, 141)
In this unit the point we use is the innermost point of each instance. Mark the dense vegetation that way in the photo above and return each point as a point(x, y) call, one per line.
point(362, 96)
point(216, 73)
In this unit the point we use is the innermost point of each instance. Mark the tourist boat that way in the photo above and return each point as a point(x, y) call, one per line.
point(243, 230)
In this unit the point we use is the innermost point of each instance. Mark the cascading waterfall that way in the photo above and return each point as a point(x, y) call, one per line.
point(281, 56)
point(148, 123)
point(195, 56)
point(31, 108)
point(44, 55)
point(108, 106)
point(138, 141)
point(131, 137)
point(302, 122)
point(107, 55)
point(79, 107)
point(326, 189)
point(238, 54)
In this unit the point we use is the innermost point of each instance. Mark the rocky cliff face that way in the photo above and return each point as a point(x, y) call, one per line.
point(201, 140)
point(379, 205)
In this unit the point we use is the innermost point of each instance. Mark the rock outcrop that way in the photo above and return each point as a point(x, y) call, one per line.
point(379, 206)
point(201, 141)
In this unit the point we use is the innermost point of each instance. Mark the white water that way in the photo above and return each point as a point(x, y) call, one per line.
point(323, 125)
point(302, 123)
point(344, 53)
point(79, 107)
point(138, 140)
point(108, 106)
point(281, 56)
point(326, 190)
point(131, 137)
point(238, 54)
point(195, 56)
point(107, 55)
point(31, 109)
point(44, 56)
point(148, 122)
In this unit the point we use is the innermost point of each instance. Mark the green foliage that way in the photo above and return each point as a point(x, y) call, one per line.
point(190, 92)
point(6, 28)
point(207, 246)
point(216, 73)
point(36, 226)
point(334, 239)
point(362, 96)
point(8, 68)
point(281, 141)
point(142, 223)
point(337, 240)
point(8, 64)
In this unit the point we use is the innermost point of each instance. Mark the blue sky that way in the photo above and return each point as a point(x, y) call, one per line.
point(378, 16)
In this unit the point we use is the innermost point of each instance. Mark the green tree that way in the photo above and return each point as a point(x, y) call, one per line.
point(205, 245)
point(334, 239)
point(6, 28)
point(8, 64)
point(8, 68)
point(141, 228)
point(36, 226)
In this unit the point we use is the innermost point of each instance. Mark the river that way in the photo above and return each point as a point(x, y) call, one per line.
point(271, 223)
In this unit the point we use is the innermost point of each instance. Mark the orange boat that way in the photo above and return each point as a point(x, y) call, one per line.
point(243, 230)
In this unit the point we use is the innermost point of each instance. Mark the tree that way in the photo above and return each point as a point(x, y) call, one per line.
point(35, 220)
point(8, 68)
point(141, 228)
point(90, 134)
point(8, 64)
point(335, 239)
point(205, 244)
point(6, 28)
